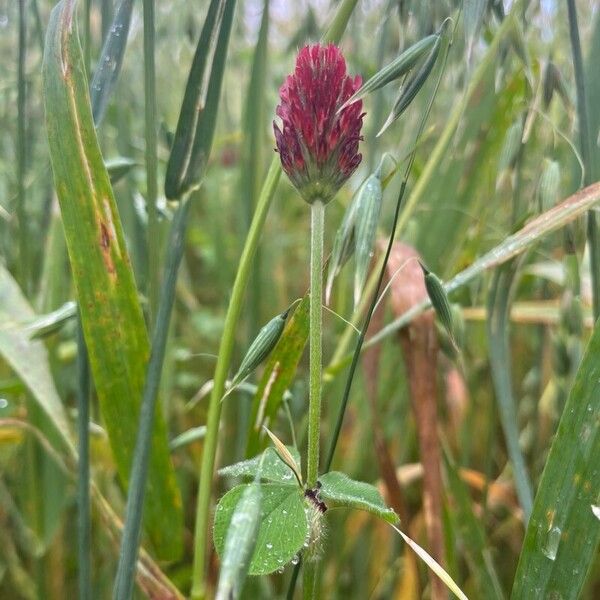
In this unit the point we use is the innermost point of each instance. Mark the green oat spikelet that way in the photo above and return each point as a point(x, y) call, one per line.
point(439, 300)
point(261, 347)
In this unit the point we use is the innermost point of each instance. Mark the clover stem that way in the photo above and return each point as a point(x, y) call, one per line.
point(315, 338)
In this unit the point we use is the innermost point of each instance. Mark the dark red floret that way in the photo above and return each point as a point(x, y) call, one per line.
point(318, 142)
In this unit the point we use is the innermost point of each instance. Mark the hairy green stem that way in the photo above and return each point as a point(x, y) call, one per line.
point(585, 146)
point(317, 222)
point(151, 159)
point(130, 542)
point(309, 580)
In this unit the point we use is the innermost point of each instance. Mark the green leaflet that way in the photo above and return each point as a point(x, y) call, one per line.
point(268, 466)
point(283, 527)
point(339, 489)
point(112, 319)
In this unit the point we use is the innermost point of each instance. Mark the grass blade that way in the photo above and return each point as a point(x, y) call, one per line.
point(197, 119)
point(28, 358)
point(84, 524)
point(472, 532)
point(111, 315)
point(124, 580)
point(433, 565)
point(242, 534)
point(500, 361)
point(151, 158)
point(586, 149)
point(563, 534)
point(565, 212)
point(474, 11)
point(110, 61)
point(22, 151)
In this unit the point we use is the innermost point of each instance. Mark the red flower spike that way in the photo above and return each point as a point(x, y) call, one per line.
point(318, 143)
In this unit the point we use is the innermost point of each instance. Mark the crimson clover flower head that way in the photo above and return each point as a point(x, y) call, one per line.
point(318, 142)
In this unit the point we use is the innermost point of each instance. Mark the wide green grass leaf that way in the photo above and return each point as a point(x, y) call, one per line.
point(27, 357)
point(563, 534)
point(111, 315)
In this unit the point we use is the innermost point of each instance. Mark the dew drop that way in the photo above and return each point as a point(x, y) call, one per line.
point(295, 559)
point(3, 402)
point(269, 546)
point(550, 546)
point(596, 511)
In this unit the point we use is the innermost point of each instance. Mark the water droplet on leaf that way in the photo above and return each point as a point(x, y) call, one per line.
point(550, 547)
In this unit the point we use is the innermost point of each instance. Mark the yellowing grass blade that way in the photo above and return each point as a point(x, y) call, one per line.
point(112, 319)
